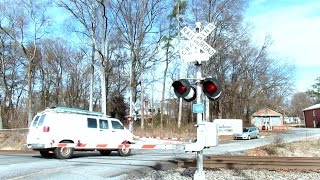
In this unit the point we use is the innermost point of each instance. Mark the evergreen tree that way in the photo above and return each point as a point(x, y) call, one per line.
point(315, 91)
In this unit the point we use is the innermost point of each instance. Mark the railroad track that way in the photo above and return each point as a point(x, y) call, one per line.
point(255, 162)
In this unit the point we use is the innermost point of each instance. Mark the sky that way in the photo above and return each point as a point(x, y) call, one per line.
point(294, 27)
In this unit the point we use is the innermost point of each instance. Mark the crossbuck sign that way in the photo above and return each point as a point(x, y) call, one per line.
point(196, 40)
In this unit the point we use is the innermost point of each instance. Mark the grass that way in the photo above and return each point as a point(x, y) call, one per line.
point(305, 148)
point(13, 140)
point(170, 131)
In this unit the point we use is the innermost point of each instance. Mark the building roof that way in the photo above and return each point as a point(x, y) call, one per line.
point(266, 112)
point(316, 106)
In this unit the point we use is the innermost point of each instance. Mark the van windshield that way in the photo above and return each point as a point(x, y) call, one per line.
point(41, 120)
point(35, 121)
point(116, 125)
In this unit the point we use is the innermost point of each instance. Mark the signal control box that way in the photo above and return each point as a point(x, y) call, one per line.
point(211, 134)
point(207, 136)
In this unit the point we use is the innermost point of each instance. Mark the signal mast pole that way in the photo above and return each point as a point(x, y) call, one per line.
point(180, 99)
point(198, 51)
point(199, 174)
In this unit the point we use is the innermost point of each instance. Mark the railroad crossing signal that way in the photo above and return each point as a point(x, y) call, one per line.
point(210, 86)
point(196, 40)
point(198, 50)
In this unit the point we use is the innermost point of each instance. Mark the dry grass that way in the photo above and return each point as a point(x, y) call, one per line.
point(309, 147)
point(13, 140)
point(184, 132)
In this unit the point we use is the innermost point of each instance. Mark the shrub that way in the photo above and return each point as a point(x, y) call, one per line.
point(278, 141)
point(270, 150)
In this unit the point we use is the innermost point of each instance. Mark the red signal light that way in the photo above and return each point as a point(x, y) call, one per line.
point(211, 88)
point(183, 89)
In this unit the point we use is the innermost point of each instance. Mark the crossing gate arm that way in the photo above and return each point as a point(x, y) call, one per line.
point(119, 146)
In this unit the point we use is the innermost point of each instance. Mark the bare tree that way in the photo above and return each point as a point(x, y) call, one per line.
point(136, 20)
point(27, 23)
point(171, 33)
point(299, 101)
point(12, 82)
point(93, 17)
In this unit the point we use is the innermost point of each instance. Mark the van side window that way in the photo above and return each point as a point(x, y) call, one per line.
point(41, 120)
point(116, 125)
point(92, 123)
point(35, 121)
point(103, 124)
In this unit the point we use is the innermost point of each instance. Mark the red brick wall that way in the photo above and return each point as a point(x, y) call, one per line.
point(309, 118)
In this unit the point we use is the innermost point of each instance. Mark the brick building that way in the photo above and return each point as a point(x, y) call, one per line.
point(312, 116)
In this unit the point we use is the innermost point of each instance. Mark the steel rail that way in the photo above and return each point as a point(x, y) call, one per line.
point(255, 162)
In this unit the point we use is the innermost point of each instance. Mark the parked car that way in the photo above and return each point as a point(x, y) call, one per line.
point(248, 133)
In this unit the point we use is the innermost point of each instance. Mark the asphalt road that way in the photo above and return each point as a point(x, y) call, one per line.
point(91, 165)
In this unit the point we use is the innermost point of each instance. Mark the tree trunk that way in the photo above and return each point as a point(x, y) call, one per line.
point(103, 91)
point(1, 122)
point(30, 74)
point(164, 87)
point(91, 88)
point(142, 103)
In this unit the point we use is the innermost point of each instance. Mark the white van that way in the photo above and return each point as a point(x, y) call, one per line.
point(60, 131)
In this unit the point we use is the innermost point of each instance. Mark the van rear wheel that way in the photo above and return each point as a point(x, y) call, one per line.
point(63, 152)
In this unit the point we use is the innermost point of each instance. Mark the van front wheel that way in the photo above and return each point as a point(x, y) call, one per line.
point(124, 150)
point(63, 152)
